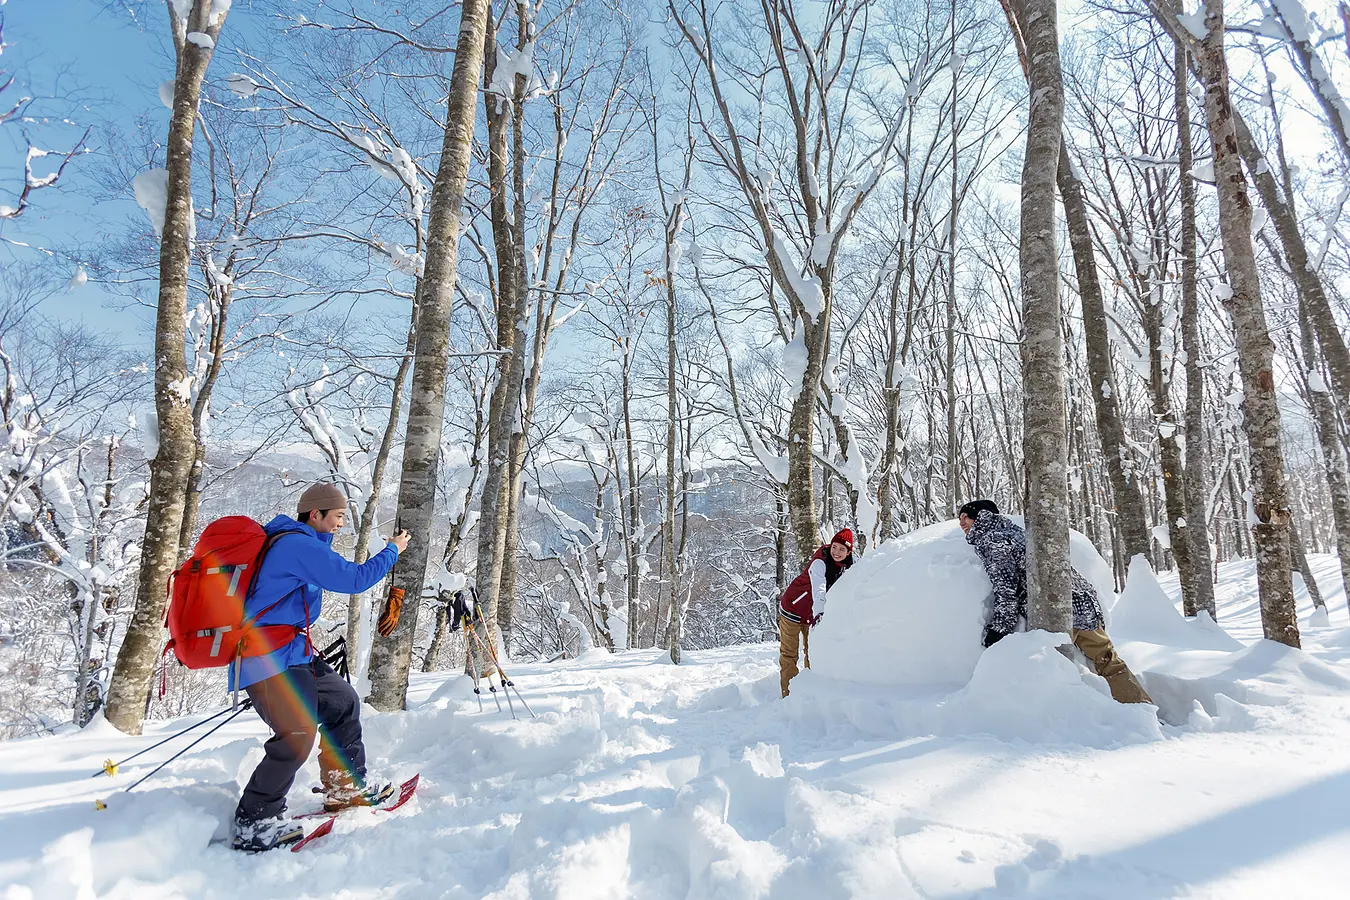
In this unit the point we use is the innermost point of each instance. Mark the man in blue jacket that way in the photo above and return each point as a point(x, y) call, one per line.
point(297, 694)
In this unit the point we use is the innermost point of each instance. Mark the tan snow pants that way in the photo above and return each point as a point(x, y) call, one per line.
point(1097, 646)
point(788, 634)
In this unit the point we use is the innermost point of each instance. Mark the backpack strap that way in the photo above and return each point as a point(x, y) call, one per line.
point(251, 621)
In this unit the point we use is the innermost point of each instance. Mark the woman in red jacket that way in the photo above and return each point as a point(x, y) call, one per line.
point(803, 603)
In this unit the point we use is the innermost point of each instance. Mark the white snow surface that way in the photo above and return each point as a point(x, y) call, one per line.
point(644, 779)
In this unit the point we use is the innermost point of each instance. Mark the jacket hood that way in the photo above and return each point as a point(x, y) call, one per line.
point(286, 523)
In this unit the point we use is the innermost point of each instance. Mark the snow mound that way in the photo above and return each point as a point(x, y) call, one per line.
point(1267, 673)
point(912, 611)
point(1144, 612)
point(1025, 689)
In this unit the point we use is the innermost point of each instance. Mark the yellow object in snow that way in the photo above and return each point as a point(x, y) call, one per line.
point(109, 768)
point(99, 805)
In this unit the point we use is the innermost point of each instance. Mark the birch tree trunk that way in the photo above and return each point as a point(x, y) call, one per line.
point(1044, 441)
point(1325, 425)
point(169, 470)
point(1131, 521)
point(1130, 518)
point(1302, 268)
point(1300, 558)
point(1261, 413)
point(504, 415)
point(392, 656)
point(1197, 515)
point(356, 605)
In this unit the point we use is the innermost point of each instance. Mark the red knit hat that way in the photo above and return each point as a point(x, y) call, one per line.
point(844, 537)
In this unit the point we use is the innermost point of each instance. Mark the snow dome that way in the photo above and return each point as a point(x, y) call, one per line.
point(912, 610)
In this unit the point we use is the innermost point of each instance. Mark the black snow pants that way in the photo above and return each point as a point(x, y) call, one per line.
point(298, 704)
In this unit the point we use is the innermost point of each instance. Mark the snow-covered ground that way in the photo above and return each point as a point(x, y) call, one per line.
point(642, 779)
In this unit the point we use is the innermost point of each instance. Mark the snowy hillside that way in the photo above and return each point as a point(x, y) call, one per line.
point(642, 779)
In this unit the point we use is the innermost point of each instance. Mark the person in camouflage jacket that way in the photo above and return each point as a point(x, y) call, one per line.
point(1001, 545)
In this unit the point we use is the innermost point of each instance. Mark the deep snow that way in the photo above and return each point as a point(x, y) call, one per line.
point(643, 779)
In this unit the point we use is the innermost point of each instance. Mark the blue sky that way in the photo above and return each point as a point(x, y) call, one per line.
point(93, 64)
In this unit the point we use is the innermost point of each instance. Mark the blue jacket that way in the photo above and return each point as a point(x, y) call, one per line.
point(296, 571)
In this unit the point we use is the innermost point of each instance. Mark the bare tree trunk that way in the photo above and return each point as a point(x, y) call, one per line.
point(1261, 413)
point(1044, 441)
point(1169, 450)
point(1325, 425)
point(1197, 515)
point(1130, 516)
point(169, 469)
point(633, 533)
point(355, 605)
point(511, 307)
point(1131, 521)
point(1301, 267)
point(391, 657)
point(1300, 558)
point(949, 363)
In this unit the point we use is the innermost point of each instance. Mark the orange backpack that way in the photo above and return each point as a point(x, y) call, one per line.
point(207, 627)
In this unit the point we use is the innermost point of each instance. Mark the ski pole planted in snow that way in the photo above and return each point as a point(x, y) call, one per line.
point(473, 665)
point(110, 768)
point(507, 684)
point(155, 770)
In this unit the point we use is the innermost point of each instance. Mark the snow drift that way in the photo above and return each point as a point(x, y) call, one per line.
point(912, 610)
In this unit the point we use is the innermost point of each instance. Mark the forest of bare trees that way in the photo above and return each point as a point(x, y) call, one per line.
point(622, 307)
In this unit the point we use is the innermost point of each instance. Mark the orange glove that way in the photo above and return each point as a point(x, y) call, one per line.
point(393, 605)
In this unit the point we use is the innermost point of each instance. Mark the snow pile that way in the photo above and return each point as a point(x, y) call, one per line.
point(912, 610)
point(1144, 612)
point(1025, 689)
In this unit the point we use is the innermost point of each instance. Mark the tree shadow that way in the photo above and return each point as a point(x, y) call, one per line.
point(1202, 852)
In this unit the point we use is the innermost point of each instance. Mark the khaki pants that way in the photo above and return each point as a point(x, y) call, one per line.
point(1096, 646)
point(788, 634)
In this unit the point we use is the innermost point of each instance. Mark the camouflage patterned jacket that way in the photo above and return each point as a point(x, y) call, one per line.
point(1002, 546)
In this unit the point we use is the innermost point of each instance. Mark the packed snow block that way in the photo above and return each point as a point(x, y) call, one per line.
point(1025, 689)
point(911, 611)
point(1144, 612)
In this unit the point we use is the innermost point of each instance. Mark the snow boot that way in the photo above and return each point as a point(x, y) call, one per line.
point(343, 793)
point(258, 835)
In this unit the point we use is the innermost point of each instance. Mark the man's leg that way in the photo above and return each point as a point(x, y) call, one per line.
point(1096, 646)
point(342, 755)
point(806, 643)
point(788, 632)
point(288, 704)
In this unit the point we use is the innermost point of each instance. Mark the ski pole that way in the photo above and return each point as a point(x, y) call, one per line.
point(186, 749)
point(110, 768)
point(473, 665)
point(507, 684)
point(483, 647)
point(492, 689)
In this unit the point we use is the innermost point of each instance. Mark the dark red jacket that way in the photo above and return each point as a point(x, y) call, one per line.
point(796, 603)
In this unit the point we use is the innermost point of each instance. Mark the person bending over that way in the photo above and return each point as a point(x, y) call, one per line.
point(803, 603)
point(1002, 546)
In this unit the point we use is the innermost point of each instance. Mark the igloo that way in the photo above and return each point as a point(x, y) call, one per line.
point(912, 610)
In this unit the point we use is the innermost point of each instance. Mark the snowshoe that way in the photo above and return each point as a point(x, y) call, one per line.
point(259, 835)
point(347, 794)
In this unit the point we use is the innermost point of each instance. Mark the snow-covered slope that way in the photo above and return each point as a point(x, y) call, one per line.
point(642, 779)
